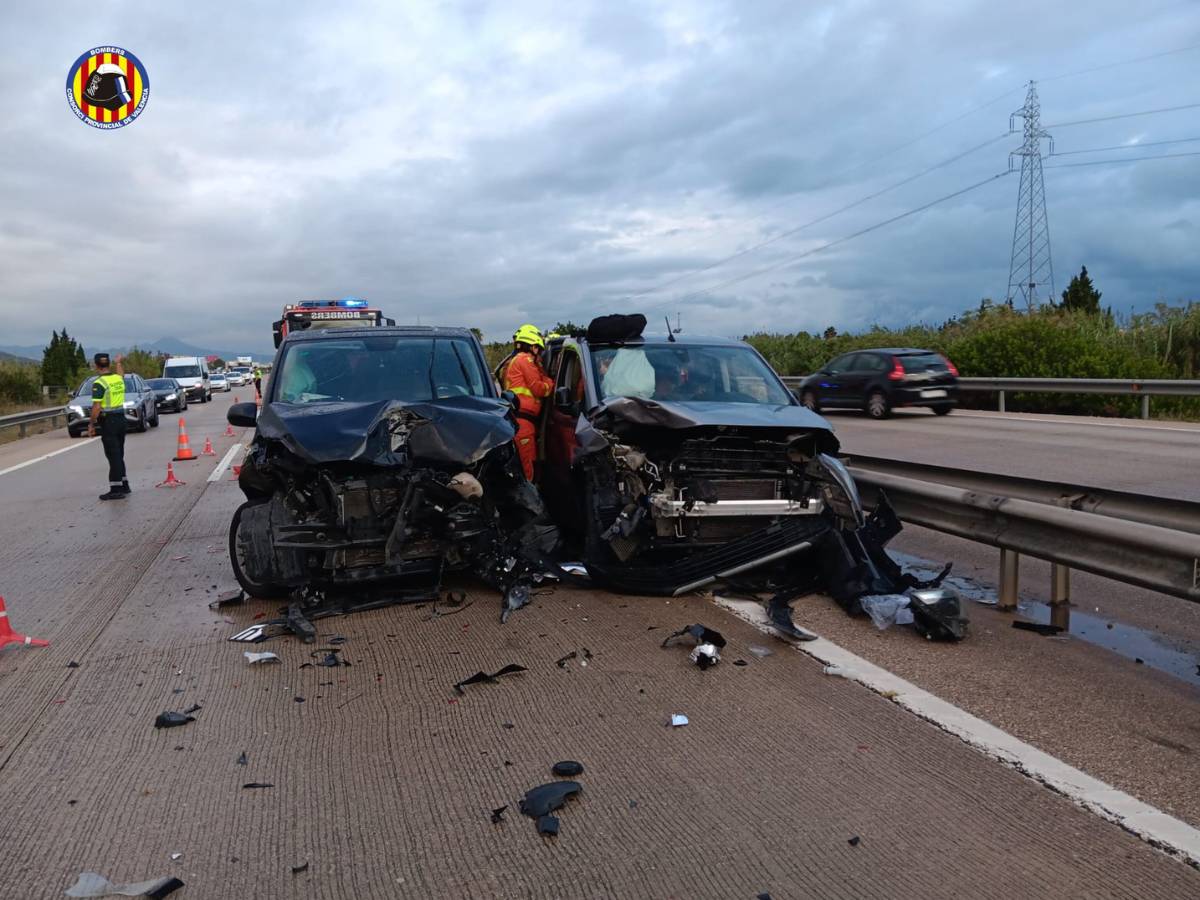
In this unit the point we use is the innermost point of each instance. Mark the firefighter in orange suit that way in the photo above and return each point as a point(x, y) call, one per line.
point(525, 377)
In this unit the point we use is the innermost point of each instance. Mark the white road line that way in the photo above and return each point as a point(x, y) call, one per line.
point(1151, 825)
point(74, 443)
point(216, 473)
point(1107, 423)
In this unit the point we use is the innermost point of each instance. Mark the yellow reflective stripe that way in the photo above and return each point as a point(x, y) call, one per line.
point(523, 391)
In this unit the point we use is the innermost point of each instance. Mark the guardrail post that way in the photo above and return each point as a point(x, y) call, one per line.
point(1060, 575)
point(21, 430)
point(1010, 561)
point(1002, 401)
point(1145, 406)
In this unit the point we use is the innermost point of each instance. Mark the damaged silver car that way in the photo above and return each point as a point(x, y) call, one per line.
point(383, 458)
point(676, 462)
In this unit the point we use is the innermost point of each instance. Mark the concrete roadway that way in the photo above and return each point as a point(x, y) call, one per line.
point(383, 779)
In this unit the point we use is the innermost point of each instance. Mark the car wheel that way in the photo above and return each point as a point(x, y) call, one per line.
point(237, 557)
point(809, 399)
point(878, 406)
point(140, 428)
point(942, 410)
point(208, 397)
point(154, 418)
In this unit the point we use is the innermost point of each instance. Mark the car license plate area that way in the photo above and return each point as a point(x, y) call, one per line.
point(932, 394)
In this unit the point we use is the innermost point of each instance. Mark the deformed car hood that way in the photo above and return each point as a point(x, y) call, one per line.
point(456, 431)
point(629, 415)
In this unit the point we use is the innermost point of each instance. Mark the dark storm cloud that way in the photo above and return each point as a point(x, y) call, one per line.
point(485, 163)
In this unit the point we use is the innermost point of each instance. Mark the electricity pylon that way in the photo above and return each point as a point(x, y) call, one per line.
point(1030, 272)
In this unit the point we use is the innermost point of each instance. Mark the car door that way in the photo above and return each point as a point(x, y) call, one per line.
point(854, 381)
point(559, 444)
point(830, 391)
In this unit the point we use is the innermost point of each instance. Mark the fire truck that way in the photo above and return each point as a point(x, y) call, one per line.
point(349, 312)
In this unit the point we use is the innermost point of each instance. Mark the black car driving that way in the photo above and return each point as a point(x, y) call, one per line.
point(169, 394)
point(877, 381)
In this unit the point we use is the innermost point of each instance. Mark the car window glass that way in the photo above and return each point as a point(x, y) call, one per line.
point(838, 363)
point(920, 362)
point(679, 372)
point(863, 362)
point(570, 376)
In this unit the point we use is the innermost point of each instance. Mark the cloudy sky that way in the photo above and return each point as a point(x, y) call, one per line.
point(488, 163)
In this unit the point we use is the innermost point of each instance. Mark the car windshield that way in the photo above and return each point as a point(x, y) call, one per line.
point(368, 369)
point(185, 371)
point(162, 384)
point(216, 376)
point(699, 374)
point(85, 389)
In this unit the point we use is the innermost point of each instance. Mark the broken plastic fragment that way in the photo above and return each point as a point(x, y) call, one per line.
point(252, 658)
point(701, 634)
point(498, 814)
point(853, 842)
point(176, 856)
point(937, 614)
point(705, 655)
point(760, 652)
point(562, 662)
point(229, 598)
point(546, 798)
point(172, 720)
point(300, 625)
point(567, 768)
point(92, 884)
point(72, 665)
point(252, 635)
point(887, 610)
point(303, 867)
point(252, 785)
point(514, 598)
point(242, 760)
point(740, 662)
point(678, 719)
point(195, 707)
point(548, 825)
point(485, 678)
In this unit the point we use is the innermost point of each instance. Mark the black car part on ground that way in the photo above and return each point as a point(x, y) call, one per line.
point(354, 505)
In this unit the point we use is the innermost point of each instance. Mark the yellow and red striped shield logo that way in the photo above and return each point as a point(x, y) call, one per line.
point(107, 87)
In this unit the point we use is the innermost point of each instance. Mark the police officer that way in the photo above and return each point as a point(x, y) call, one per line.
point(108, 413)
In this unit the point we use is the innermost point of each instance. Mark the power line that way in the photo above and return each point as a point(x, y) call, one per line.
point(1144, 112)
point(1123, 159)
point(1138, 146)
point(827, 216)
point(1124, 62)
point(829, 244)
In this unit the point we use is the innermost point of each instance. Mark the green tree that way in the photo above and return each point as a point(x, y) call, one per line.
point(143, 362)
point(1081, 295)
point(568, 328)
point(216, 364)
point(63, 361)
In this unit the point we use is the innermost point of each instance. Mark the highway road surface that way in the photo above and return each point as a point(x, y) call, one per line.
point(382, 781)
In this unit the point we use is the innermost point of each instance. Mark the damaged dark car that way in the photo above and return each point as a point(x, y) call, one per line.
point(383, 459)
point(678, 462)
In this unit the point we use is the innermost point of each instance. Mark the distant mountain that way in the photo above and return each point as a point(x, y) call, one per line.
point(16, 357)
point(33, 352)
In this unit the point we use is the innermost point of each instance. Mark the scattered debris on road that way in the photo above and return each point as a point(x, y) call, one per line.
point(485, 678)
point(498, 814)
point(303, 867)
point(195, 707)
point(172, 719)
point(544, 799)
point(567, 768)
point(254, 785)
point(678, 719)
point(268, 656)
point(92, 884)
point(229, 598)
point(854, 841)
point(707, 652)
point(548, 826)
point(242, 760)
point(887, 610)
point(759, 651)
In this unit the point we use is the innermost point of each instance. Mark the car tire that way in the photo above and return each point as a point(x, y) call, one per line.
point(943, 410)
point(154, 418)
point(878, 406)
point(809, 399)
point(208, 397)
point(262, 590)
point(141, 426)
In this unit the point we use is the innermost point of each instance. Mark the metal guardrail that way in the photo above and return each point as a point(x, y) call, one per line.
point(24, 419)
point(1147, 551)
point(1144, 388)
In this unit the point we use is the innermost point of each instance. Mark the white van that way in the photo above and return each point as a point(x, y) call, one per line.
point(192, 373)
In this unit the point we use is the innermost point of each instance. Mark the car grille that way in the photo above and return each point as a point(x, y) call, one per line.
point(731, 456)
point(747, 489)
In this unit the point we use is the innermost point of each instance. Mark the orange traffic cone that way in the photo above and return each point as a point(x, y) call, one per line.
point(185, 449)
point(228, 431)
point(208, 450)
point(171, 481)
point(8, 636)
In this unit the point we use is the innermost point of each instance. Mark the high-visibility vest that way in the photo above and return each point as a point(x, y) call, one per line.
point(114, 392)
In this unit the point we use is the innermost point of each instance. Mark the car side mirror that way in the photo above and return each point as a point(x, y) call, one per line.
point(243, 415)
point(511, 399)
